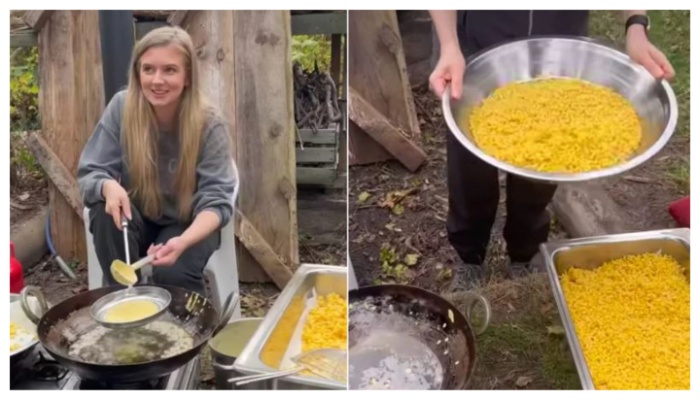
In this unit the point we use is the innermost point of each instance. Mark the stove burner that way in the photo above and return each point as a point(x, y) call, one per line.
point(48, 370)
point(153, 384)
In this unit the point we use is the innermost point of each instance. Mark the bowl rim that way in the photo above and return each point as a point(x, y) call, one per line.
point(559, 177)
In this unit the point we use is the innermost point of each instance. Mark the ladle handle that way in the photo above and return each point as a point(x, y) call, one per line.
point(140, 263)
point(475, 299)
point(26, 307)
point(244, 380)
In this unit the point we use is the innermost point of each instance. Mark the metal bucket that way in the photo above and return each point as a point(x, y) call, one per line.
point(227, 346)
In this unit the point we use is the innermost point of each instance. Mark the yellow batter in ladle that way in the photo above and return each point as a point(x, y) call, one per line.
point(126, 274)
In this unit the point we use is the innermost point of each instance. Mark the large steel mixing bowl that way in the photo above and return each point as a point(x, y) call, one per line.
point(574, 57)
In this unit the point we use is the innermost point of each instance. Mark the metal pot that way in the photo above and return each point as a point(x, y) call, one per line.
point(566, 57)
point(61, 326)
point(427, 325)
point(18, 317)
point(225, 349)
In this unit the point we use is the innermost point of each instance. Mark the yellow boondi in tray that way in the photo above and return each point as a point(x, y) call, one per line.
point(556, 125)
point(632, 318)
point(326, 325)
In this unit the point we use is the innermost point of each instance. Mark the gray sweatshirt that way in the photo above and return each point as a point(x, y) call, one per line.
point(103, 158)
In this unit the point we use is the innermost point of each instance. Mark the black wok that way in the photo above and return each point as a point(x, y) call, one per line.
point(429, 318)
point(65, 323)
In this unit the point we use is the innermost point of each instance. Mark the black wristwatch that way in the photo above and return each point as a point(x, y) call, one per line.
point(638, 19)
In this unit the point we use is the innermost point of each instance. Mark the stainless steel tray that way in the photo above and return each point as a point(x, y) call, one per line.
point(591, 252)
point(268, 349)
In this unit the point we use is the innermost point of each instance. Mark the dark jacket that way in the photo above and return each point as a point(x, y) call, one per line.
point(481, 29)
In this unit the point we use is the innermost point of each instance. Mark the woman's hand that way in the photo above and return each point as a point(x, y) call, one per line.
point(449, 70)
point(165, 255)
point(640, 49)
point(116, 202)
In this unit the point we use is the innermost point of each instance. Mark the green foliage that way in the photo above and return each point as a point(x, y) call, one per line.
point(24, 89)
point(310, 49)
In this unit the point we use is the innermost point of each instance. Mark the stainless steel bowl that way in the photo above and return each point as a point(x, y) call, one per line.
point(582, 58)
point(159, 296)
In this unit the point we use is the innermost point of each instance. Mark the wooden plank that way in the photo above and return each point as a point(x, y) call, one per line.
point(322, 136)
point(37, 19)
point(362, 149)
point(273, 265)
point(59, 175)
point(212, 36)
point(320, 23)
point(321, 155)
point(71, 101)
point(23, 39)
point(586, 209)
point(378, 68)
point(265, 130)
point(178, 17)
point(336, 58)
point(316, 176)
point(391, 137)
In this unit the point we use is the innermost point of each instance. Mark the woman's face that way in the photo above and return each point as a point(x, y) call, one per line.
point(163, 75)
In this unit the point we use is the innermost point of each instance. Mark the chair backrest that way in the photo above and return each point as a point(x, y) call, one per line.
point(236, 187)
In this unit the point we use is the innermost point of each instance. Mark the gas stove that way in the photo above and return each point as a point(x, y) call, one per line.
point(39, 371)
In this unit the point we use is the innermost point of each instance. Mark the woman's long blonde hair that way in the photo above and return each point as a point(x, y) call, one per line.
point(141, 129)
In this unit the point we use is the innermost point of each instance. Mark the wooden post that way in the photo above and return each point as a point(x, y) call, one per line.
point(71, 101)
point(378, 74)
point(265, 134)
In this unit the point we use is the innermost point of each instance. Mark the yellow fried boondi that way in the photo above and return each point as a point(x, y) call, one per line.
point(632, 318)
point(326, 325)
point(556, 125)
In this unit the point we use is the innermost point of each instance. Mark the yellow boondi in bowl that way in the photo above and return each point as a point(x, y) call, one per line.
point(326, 325)
point(556, 125)
point(632, 318)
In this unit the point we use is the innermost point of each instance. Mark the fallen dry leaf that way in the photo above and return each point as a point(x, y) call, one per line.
point(523, 381)
point(397, 209)
point(80, 289)
point(363, 197)
point(556, 330)
point(411, 259)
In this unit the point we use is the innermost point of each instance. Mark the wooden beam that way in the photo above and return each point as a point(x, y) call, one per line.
point(36, 19)
point(586, 209)
point(59, 175)
point(71, 101)
point(265, 130)
point(263, 253)
point(320, 23)
point(178, 17)
point(23, 39)
point(377, 67)
point(392, 138)
point(336, 58)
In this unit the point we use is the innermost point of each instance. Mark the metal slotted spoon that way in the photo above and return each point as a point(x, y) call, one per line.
point(327, 363)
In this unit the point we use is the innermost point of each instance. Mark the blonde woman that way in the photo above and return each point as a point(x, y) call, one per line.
point(160, 157)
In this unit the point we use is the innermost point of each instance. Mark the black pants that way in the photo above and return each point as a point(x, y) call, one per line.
point(474, 196)
point(187, 271)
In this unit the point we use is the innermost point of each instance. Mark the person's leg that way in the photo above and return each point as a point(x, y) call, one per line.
point(527, 221)
point(473, 202)
point(188, 271)
point(109, 240)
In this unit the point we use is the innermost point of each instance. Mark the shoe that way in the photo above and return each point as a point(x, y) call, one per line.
point(466, 276)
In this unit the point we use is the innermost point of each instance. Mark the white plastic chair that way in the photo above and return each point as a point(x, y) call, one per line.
point(221, 269)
